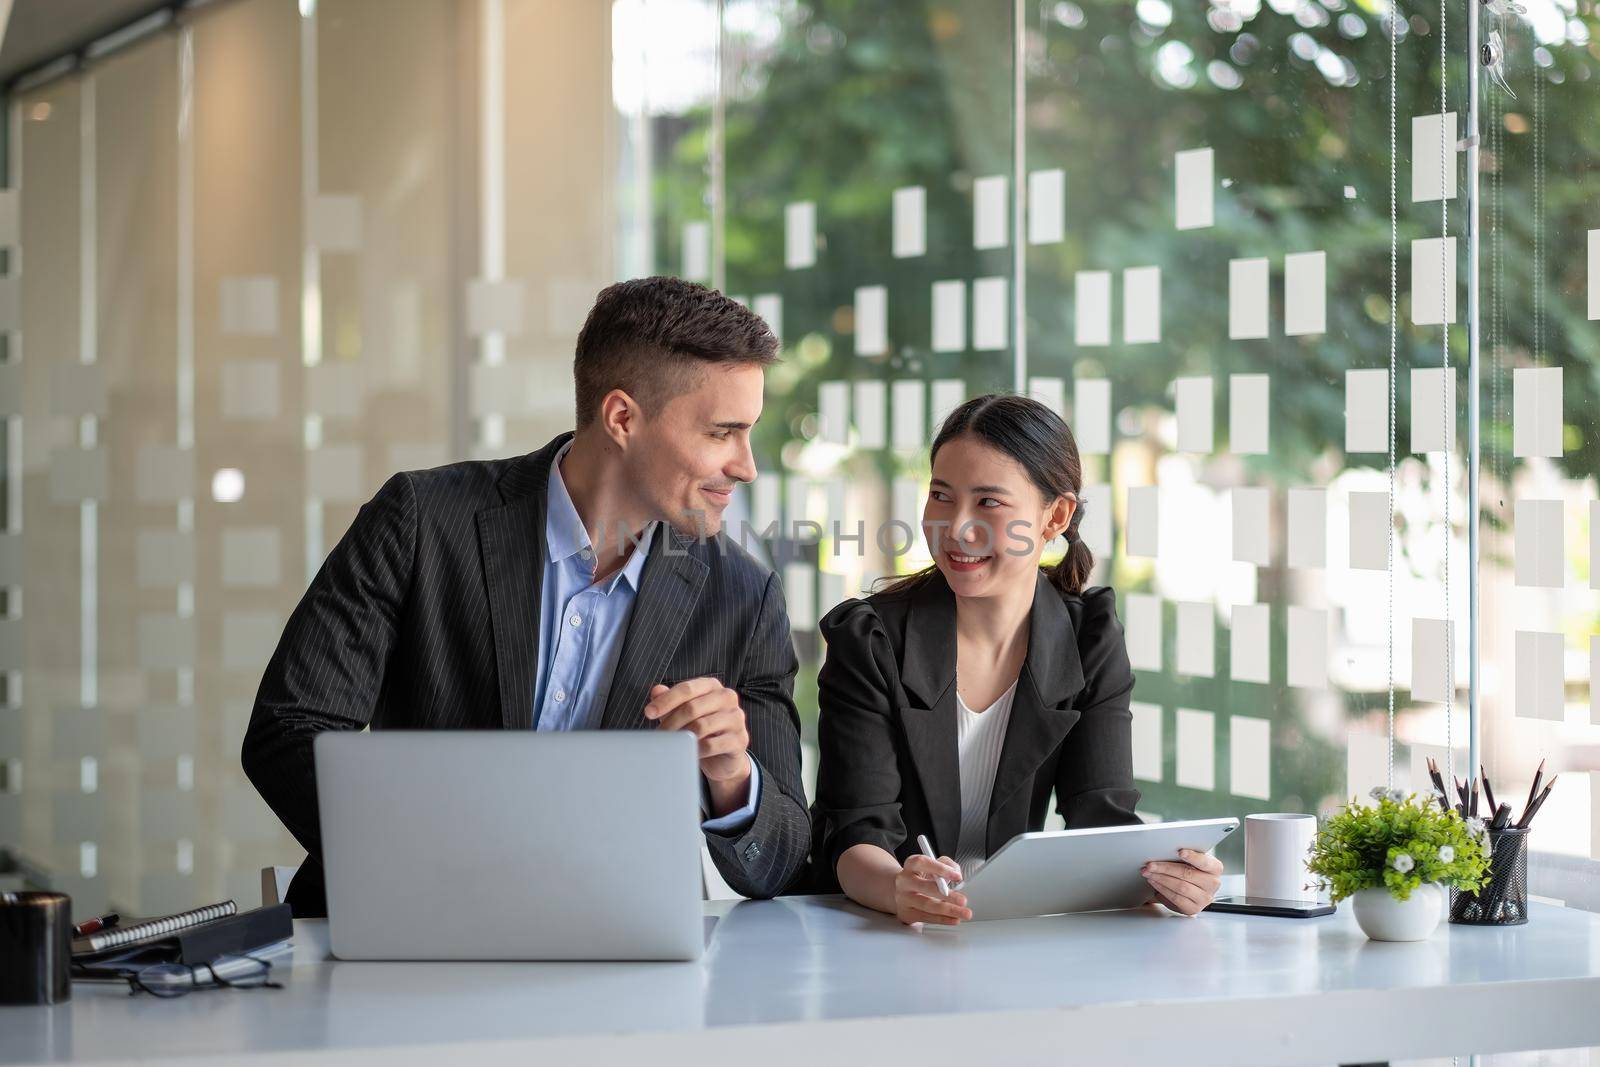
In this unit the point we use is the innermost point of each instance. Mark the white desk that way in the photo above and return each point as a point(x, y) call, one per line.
point(820, 983)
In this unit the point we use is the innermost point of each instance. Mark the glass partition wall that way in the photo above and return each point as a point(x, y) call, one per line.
point(278, 250)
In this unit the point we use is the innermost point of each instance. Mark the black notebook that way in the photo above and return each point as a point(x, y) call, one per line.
point(145, 930)
point(184, 938)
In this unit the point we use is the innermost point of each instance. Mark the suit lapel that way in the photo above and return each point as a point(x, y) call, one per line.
point(511, 541)
point(1041, 711)
point(928, 674)
point(669, 589)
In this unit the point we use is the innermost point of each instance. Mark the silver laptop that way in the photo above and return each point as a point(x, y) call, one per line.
point(489, 845)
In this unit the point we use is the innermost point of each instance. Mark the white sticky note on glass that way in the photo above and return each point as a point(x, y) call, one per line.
point(1141, 305)
point(949, 316)
point(1091, 415)
point(1249, 414)
point(800, 235)
point(1366, 410)
point(1370, 522)
point(871, 402)
point(770, 307)
point(1194, 188)
point(249, 306)
point(1197, 749)
point(1047, 199)
point(910, 211)
point(1537, 533)
point(250, 388)
point(908, 414)
point(1430, 660)
point(1536, 415)
point(989, 212)
point(1251, 519)
point(1143, 520)
point(1194, 401)
point(9, 216)
point(495, 307)
point(334, 222)
point(1197, 641)
point(989, 316)
point(766, 502)
point(1541, 682)
point(800, 595)
point(1594, 277)
point(1146, 740)
point(1305, 293)
point(1144, 631)
point(1051, 392)
point(872, 320)
point(10, 308)
point(1594, 708)
point(335, 473)
point(1433, 409)
point(251, 557)
point(1095, 527)
point(1308, 647)
point(833, 412)
point(1247, 298)
point(1250, 757)
point(1250, 643)
point(1308, 528)
point(1091, 307)
point(248, 638)
point(1366, 762)
point(1594, 544)
point(1433, 157)
point(1433, 280)
point(696, 251)
point(946, 394)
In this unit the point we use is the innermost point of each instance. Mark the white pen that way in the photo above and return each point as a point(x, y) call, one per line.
point(927, 850)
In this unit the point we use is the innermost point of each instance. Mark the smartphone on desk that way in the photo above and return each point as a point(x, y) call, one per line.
point(1285, 909)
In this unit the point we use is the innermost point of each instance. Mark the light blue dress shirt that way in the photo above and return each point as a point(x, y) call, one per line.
point(581, 628)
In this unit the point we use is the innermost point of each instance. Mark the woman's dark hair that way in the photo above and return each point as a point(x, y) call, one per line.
point(1042, 443)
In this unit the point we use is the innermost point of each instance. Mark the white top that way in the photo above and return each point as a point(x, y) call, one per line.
point(979, 737)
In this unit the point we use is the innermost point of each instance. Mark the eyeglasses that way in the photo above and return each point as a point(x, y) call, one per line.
point(170, 980)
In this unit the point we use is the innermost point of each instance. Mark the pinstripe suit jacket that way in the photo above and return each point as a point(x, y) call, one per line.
point(426, 616)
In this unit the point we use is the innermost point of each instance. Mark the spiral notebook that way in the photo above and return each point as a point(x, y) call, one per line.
point(138, 933)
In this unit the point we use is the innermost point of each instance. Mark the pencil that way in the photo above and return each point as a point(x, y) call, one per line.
point(1488, 791)
point(1527, 816)
point(1533, 790)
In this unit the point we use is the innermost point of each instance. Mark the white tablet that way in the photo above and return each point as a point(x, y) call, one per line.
point(1082, 870)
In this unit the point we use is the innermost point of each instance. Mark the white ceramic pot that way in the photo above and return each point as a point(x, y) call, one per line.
point(1383, 918)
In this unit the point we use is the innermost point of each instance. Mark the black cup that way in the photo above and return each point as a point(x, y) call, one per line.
point(35, 948)
point(1503, 900)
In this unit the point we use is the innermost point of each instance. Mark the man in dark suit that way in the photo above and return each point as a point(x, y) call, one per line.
point(586, 585)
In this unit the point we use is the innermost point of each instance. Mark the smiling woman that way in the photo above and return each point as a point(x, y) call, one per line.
point(953, 702)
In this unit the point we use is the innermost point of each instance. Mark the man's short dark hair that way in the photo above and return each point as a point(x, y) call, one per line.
point(650, 337)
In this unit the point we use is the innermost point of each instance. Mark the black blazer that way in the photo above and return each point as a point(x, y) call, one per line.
point(426, 616)
point(888, 767)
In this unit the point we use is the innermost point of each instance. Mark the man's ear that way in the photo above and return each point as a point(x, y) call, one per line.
point(620, 417)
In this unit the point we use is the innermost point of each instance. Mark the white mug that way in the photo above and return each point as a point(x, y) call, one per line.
point(1275, 848)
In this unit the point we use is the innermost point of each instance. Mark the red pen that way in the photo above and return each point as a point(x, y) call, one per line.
point(99, 922)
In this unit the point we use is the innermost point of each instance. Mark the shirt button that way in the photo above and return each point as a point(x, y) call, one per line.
point(561, 694)
point(585, 553)
point(576, 619)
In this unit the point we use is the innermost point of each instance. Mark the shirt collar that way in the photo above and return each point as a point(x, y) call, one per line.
point(565, 537)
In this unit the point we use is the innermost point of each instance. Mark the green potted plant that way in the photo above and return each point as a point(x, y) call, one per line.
point(1393, 857)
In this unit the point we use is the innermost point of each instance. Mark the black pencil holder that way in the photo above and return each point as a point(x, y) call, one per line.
point(1503, 900)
